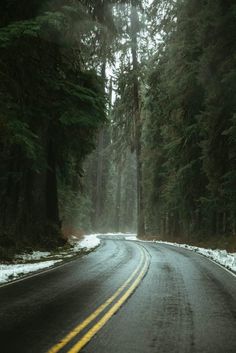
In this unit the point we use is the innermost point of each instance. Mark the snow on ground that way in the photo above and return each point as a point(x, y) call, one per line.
point(42, 260)
point(27, 263)
point(36, 255)
point(222, 257)
point(9, 272)
point(89, 242)
point(115, 236)
point(132, 237)
point(122, 234)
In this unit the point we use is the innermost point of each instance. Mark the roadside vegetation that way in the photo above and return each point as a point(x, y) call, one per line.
point(30, 263)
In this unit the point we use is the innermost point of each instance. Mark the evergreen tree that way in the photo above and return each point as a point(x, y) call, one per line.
point(51, 109)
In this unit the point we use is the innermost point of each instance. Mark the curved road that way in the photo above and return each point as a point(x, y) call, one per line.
point(125, 297)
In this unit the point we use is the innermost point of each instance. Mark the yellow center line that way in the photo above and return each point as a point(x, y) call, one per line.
point(89, 335)
point(98, 311)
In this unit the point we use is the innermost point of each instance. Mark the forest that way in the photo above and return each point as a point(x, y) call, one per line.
point(117, 116)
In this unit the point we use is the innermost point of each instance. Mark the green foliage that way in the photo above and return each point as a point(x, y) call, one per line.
point(189, 145)
point(51, 108)
point(20, 134)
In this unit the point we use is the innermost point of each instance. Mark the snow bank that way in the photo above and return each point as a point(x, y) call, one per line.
point(122, 234)
point(132, 237)
point(116, 236)
point(89, 242)
point(36, 255)
point(222, 257)
point(9, 272)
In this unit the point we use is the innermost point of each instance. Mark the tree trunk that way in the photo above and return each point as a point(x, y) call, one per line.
point(118, 200)
point(137, 120)
point(100, 166)
point(98, 200)
point(51, 186)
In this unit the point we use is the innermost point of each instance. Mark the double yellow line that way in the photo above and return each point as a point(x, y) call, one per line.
point(139, 273)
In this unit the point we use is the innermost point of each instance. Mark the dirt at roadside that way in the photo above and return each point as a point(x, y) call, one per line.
point(68, 232)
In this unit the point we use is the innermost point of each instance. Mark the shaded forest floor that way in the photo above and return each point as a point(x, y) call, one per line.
point(26, 263)
point(68, 231)
point(224, 243)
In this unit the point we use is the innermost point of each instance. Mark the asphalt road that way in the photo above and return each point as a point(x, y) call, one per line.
point(160, 299)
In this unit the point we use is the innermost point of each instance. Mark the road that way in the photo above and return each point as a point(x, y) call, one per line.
point(125, 297)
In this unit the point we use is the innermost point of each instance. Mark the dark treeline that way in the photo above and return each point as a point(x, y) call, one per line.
point(51, 106)
point(53, 113)
point(116, 115)
point(190, 132)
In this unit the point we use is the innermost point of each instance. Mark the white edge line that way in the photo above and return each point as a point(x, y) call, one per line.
point(205, 257)
point(217, 263)
point(42, 271)
point(180, 247)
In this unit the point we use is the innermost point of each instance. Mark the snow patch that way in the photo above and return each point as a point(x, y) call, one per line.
point(10, 272)
point(89, 242)
point(132, 237)
point(222, 257)
point(36, 255)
